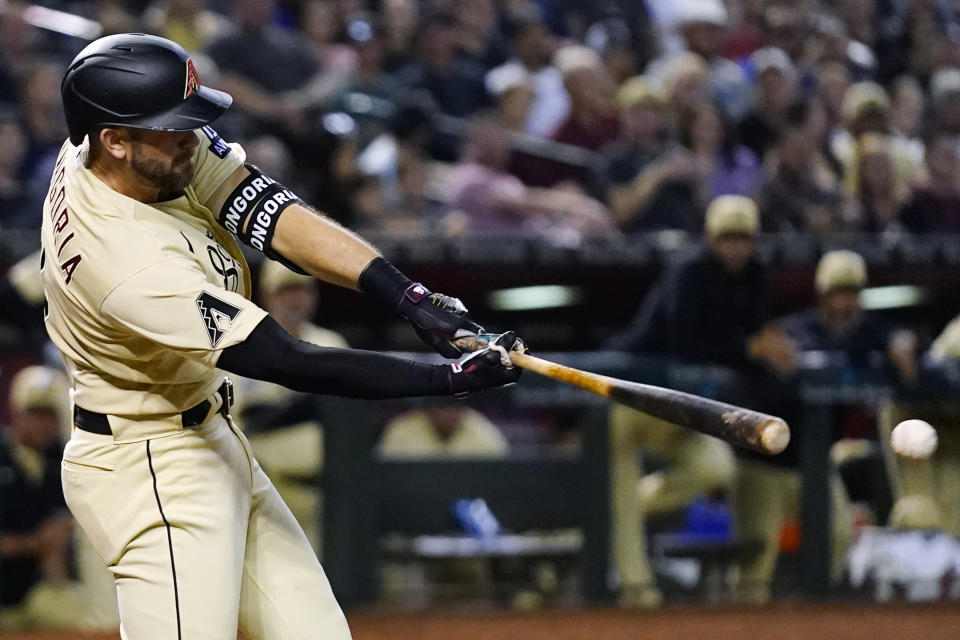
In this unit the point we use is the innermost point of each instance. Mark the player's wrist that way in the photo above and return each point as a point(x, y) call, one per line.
point(381, 279)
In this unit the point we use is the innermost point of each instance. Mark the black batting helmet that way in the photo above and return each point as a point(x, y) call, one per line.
point(140, 81)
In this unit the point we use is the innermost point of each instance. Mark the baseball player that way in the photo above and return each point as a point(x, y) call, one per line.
point(147, 299)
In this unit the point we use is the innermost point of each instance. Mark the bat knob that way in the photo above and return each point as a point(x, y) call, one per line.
point(774, 436)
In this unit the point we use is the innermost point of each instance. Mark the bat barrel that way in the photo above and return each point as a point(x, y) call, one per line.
point(736, 425)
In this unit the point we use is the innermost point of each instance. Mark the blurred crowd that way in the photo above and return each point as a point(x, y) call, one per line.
point(550, 117)
point(560, 120)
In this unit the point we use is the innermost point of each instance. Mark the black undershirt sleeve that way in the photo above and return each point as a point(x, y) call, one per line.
point(270, 353)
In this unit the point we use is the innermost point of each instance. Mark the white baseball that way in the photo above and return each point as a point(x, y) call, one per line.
point(914, 439)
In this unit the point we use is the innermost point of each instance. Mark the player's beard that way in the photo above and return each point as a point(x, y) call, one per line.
point(170, 179)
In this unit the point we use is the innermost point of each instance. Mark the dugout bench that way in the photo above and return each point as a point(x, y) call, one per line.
point(366, 496)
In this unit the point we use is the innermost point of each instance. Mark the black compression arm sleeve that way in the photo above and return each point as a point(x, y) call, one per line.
point(270, 353)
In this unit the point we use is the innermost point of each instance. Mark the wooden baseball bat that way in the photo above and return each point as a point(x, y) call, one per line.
point(738, 426)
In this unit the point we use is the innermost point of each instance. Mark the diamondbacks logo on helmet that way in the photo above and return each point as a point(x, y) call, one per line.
point(193, 80)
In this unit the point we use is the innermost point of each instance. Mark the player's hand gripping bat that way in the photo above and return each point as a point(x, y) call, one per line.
point(738, 426)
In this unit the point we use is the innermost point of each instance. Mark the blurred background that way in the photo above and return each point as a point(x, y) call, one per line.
point(754, 201)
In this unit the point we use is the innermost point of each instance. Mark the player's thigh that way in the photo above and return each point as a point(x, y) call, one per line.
point(169, 516)
point(193, 592)
point(285, 593)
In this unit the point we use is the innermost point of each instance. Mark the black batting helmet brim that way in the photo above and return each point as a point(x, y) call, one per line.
point(200, 109)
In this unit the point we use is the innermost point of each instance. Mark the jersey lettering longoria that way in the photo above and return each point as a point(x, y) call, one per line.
point(141, 299)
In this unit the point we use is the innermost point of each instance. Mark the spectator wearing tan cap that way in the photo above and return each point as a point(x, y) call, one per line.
point(648, 181)
point(281, 424)
point(867, 110)
point(52, 578)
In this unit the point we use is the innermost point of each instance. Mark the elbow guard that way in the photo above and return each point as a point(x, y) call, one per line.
point(252, 209)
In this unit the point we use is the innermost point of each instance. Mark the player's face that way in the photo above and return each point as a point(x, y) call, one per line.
point(163, 159)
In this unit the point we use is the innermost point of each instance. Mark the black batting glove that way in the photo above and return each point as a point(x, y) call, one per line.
point(437, 319)
point(489, 367)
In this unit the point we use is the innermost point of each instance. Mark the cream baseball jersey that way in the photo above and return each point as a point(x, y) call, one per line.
point(142, 298)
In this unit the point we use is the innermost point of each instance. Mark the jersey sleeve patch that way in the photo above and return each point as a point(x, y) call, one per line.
point(217, 316)
point(217, 144)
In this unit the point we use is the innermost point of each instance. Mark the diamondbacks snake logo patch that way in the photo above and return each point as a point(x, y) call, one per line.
point(218, 316)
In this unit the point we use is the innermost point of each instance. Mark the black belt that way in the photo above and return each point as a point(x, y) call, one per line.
point(97, 422)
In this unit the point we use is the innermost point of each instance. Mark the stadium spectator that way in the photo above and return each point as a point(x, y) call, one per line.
point(593, 121)
point(723, 165)
point(321, 23)
point(801, 193)
point(187, 22)
point(877, 185)
point(513, 90)
point(20, 205)
point(945, 99)
point(334, 167)
point(833, 80)
point(44, 122)
point(702, 25)
point(685, 81)
point(934, 204)
point(775, 91)
point(19, 43)
point(281, 424)
point(478, 38)
point(532, 53)
point(866, 110)
point(51, 576)
point(269, 72)
point(622, 53)
point(907, 116)
point(370, 95)
point(454, 83)
point(649, 184)
point(401, 19)
point(488, 200)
